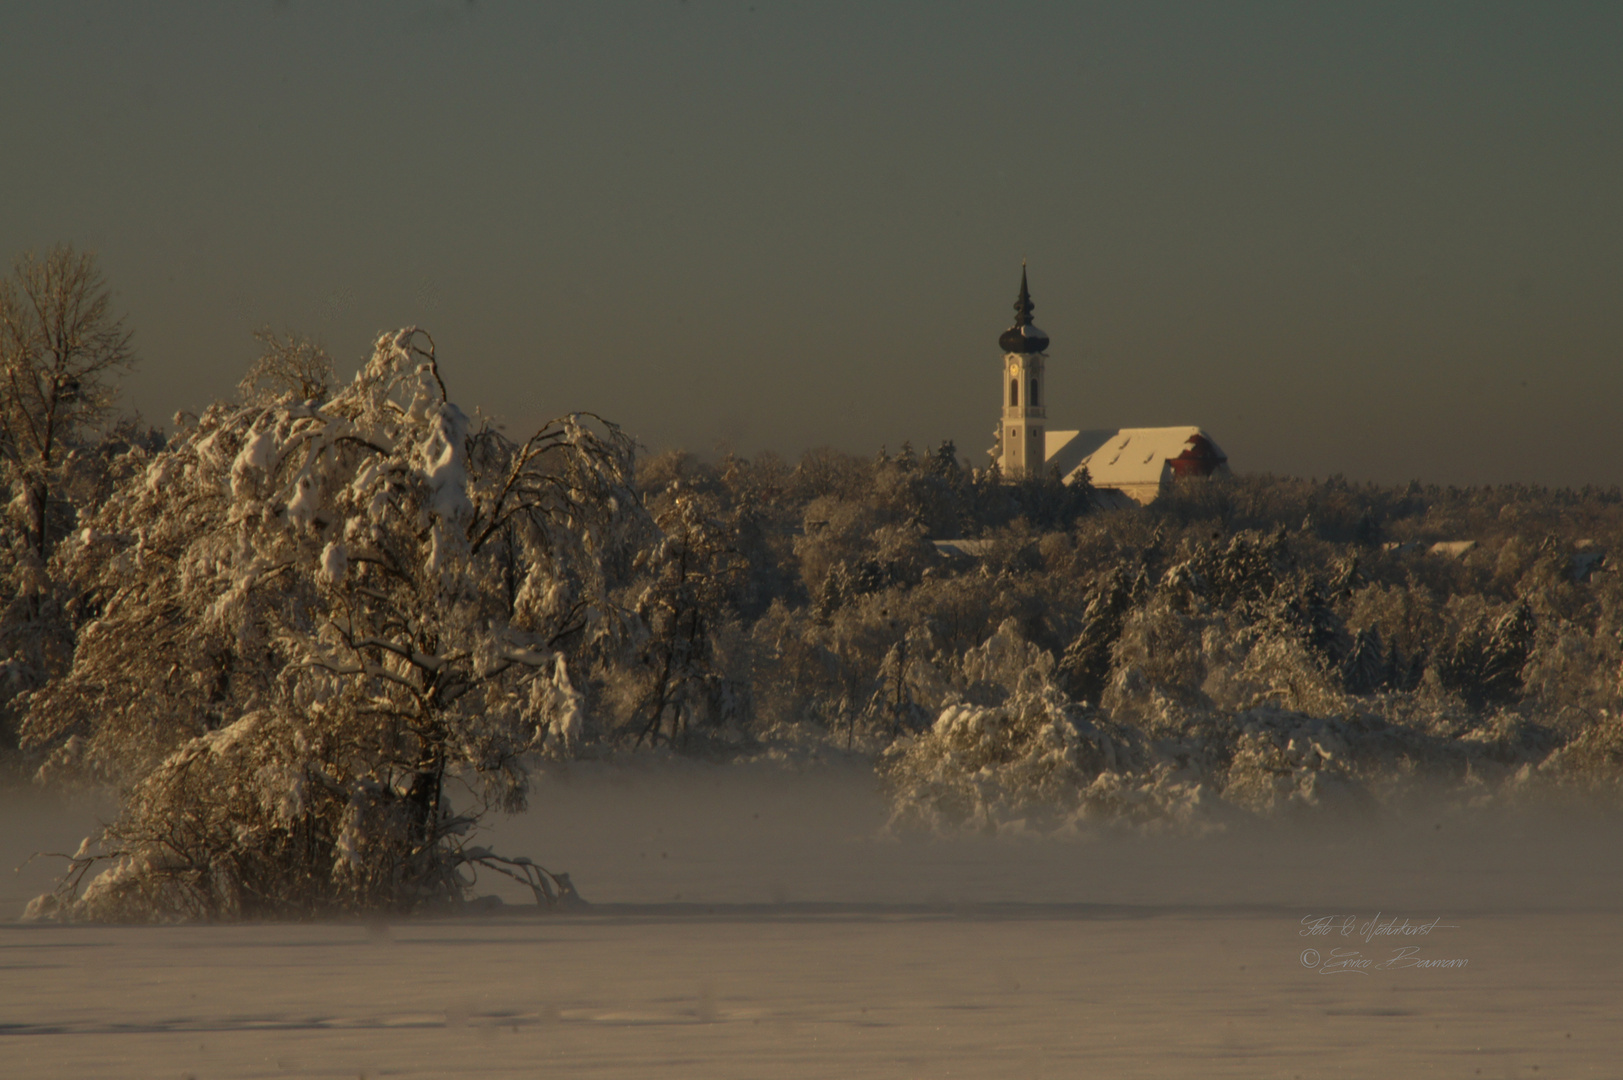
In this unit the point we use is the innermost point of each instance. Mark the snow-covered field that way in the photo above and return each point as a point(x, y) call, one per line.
point(750, 922)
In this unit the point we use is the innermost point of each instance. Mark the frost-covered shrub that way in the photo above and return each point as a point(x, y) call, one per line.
point(312, 622)
point(1592, 759)
point(1032, 758)
point(1011, 750)
point(979, 767)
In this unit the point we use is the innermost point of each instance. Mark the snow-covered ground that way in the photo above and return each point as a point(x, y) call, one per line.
point(750, 922)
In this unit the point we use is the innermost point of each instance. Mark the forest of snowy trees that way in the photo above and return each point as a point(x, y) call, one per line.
point(314, 633)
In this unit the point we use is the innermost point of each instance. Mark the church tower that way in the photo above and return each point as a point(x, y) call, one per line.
point(1020, 432)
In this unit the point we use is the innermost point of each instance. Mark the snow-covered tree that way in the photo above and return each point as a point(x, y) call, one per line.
point(61, 350)
point(325, 636)
point(693, 569)
point(38, 615)
point(290, 363)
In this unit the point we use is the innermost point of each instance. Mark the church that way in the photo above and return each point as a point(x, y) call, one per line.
point(1131, 463)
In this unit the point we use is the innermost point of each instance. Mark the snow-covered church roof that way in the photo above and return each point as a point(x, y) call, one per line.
point(1136, 461)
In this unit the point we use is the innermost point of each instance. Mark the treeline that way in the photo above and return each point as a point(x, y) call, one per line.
point(1244, 645)
point(832, 587)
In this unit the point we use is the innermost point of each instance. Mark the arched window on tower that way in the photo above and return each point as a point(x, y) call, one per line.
point(1014, 393)
point(1036, 399)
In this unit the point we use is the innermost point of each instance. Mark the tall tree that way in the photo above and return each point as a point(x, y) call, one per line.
point(314, 624)
point(61, 347)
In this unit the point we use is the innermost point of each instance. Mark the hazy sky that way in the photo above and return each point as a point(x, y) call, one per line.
point(1382, 240)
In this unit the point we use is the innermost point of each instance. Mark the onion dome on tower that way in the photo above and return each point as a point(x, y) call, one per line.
point(1023, 337)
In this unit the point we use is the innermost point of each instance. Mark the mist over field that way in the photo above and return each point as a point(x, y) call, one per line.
point(755, 835)
point(757, 919)
point(770, 835)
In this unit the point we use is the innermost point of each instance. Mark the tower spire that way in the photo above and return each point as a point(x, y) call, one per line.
point(1023, 337)
point(1023, 306)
